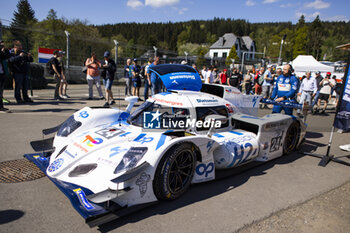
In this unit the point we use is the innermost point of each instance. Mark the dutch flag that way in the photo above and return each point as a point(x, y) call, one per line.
point(45, 54)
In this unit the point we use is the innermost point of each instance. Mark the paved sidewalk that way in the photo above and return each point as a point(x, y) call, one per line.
point(256, 198)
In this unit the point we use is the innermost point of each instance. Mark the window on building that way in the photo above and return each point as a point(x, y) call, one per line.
point(215, 54)
point(224, 54)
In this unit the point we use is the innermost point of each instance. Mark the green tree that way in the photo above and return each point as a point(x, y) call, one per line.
point(201, 59)
point(300, 41)
point(23, 20)
point(315, 38)
point(232, 55)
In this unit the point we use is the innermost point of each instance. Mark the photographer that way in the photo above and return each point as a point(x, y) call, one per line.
point(19, 65)
point(4, 54)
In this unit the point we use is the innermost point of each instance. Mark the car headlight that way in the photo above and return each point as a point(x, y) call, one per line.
point(68, 127)
point(131, 158)
point(82, 170)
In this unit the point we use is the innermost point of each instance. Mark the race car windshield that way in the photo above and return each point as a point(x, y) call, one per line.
point(137, 117)
point(203, 112)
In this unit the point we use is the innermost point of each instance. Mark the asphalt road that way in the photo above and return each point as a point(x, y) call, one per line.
point(220, 206)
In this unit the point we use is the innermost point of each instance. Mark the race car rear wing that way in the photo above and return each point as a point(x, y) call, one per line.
point(246, 104)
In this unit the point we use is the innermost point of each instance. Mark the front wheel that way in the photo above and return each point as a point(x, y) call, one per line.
point(292, 138)
point(175, 172)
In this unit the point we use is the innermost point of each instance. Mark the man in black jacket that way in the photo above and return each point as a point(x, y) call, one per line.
point(4, 54)
point(19, 64)
point(109, 68)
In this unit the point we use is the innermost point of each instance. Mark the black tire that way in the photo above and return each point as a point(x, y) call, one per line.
point(175, 172)
point(292, 138)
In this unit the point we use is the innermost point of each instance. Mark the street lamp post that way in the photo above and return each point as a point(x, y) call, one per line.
point(186, 53)
point(279, 57)
point(116, 55)
point(67, 51)
point(243, 55)
point(155, 50)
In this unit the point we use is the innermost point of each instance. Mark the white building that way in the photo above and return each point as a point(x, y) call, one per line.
point(221, 48)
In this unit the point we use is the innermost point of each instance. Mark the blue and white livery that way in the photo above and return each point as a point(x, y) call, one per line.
point(107, 160)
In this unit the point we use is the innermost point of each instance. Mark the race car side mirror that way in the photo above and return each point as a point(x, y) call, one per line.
point(215, 118)
point(132, 100)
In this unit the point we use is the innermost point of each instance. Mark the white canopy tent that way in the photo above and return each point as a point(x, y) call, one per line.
point(303, 63)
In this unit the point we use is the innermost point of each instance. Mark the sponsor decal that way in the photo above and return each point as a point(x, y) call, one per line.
point(142, 183)
point(184, 76)
point(55, 165)
point(107, 162)
point(84, 114)
point(240, 154)
point(80, 147)
point(207, 100)
point(284, 87)
point(92, 141)
point(70, 154)
point(210, 145)
point(255, 100)
point(117, 150)
point(233, 92)
point(83, 200)
point(173, 103)
point(205, 169)
point(109, 132)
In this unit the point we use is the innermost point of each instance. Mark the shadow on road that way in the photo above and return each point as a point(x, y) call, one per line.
point(7, 216)
point(199, 192)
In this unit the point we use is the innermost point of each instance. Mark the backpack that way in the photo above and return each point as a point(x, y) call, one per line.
point(49, 68)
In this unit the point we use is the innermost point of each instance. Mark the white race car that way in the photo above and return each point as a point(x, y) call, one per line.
point(109, 162)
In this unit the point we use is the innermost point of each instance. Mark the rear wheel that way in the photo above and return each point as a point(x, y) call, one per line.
point(292, 138)
point(175, 172)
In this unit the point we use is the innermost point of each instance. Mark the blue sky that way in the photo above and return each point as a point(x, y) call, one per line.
point(117, 11)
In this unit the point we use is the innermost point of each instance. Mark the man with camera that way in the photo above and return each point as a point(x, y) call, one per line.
point(19, 65)
point(4, 55)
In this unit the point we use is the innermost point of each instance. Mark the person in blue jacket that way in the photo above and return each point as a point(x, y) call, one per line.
point(285, 90)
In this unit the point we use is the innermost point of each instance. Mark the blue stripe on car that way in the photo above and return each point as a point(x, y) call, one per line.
point(237, 133)
point(161, 141)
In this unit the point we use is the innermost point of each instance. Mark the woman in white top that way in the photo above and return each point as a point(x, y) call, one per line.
point(326, 89)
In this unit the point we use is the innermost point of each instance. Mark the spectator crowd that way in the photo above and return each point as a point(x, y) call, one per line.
point(269, 82)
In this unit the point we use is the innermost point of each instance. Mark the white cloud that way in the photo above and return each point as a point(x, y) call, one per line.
point(337, 18)
point(308, 17)
point(249, 3)
point(317, 4)
point(134, 4)
point(182, 11)
point(161, 3)
point(286, 5)
point(270, 1)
